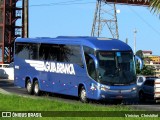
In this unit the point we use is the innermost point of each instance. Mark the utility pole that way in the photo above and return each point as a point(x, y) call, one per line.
point(126, 40)
point(25, 18)
point(135, 32)
point(105, 15)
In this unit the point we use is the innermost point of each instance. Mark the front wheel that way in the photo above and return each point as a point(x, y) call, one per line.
point(83, 95)
point(36, 89)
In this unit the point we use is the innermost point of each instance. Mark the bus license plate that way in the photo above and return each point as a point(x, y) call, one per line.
point(119, 97)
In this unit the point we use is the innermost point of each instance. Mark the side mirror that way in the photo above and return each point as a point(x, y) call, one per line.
point(95, 65)
point(140, 61)
point(95, 60)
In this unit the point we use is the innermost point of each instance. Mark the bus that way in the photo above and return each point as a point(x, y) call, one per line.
point(86, 67)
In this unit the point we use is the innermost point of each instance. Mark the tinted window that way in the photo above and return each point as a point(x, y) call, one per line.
point(88, 50)
point(22, 50)
point(49, 52)
point(34, 51)
point(70, 53)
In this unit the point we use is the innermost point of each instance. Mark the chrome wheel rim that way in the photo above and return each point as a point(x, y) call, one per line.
point(29, 86)
point(36, 88)
point(83, 95)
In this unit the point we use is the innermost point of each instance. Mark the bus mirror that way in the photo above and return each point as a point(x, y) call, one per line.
point(95, 60)
point(139, 61)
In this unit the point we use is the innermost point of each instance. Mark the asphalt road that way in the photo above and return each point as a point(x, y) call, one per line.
point(7, 87)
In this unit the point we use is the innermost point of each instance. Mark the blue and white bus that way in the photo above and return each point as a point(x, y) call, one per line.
point(86, 67)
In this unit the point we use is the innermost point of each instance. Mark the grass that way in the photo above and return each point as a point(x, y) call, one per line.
point(18, 103)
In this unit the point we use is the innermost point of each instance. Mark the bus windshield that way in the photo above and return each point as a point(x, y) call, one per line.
point(116, 68)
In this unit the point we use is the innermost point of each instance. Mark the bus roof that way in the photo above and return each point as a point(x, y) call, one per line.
point(96, 43)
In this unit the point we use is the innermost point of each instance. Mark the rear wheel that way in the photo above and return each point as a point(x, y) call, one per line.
point(83, 95)
point(29, 87)
point(36, 89)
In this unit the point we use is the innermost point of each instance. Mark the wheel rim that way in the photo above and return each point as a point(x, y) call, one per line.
point(29, 86)
point(83, 94)
point(36, 88)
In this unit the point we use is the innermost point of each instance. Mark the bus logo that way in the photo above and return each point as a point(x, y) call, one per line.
point(55, 67)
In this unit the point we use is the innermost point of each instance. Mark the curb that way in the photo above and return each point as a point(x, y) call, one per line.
point(4, 92)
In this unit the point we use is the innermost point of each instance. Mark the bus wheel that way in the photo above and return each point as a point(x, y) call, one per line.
point(29, 87)
point(82, 95)
point(36, 89)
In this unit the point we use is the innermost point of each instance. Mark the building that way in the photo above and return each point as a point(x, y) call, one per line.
point(146, 53)
point(152, 60)
point(156, 68)
point(155, 59)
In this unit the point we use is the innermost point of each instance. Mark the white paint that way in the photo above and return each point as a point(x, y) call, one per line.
point(55, 67)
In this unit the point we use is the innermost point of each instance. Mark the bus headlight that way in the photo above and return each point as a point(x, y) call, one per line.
point(134, 88)
point(104, 88)
point(93, 86)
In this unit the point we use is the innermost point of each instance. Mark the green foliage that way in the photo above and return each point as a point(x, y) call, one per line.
point(155, 6)
point(140, 54)
point(147, 70)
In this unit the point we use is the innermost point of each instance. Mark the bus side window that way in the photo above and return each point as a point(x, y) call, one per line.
point(43, 52)
point(54, 52)
point(22, 50)
point(33, 53)
point(88, 50)
point(90, 66)
point(49, 52)
point(72, 54)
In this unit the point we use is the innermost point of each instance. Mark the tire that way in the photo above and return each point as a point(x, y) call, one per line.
point(29, 87)
point(141, 96)
point(36, 89)
point(82, 95)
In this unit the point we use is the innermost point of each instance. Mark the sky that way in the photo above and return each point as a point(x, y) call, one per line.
point(52, 18)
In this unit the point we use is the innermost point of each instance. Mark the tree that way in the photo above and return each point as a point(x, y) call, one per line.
point(155, 6)
point(140, 54)
point(147, 70)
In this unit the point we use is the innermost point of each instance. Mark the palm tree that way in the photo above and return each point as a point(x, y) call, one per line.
point(155, 6)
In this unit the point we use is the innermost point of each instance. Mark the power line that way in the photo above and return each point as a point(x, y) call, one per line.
point(149, 25)
point(73, 2)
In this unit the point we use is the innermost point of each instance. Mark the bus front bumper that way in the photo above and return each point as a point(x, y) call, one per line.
point(118, 94)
